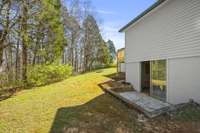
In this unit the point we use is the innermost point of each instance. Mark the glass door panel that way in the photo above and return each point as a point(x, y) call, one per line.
point(158, 79)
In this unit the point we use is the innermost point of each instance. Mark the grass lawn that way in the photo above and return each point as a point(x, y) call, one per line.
point(78, 104)
point(53, 107)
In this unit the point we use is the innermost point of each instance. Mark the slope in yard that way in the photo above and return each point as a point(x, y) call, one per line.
point(75, 101)
point(79, 105)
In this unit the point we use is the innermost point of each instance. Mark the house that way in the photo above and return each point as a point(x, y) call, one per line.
point(162, 51)
point(120, 60)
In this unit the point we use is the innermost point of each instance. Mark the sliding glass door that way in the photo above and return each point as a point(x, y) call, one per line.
point(158, 79)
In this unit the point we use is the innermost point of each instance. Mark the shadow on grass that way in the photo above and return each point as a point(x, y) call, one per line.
point(102, 114)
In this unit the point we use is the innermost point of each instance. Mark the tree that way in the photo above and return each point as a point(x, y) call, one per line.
point(29, 34)
point(72, 31)
point(92, 38)
point(53, 41)
point(25, 38)
point(7, 22)
point(112, 50)
point(103, 55)
point(45, 32)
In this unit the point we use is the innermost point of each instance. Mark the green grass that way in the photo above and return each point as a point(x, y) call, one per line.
point(34, 110)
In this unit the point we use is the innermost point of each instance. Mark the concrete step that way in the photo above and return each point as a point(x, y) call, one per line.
point(149, 106)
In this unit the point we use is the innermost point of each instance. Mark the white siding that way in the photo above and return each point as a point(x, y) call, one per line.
point(184, 80)
point(133, 75)
point(170, 31)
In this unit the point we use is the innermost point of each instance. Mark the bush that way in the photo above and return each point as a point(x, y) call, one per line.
point(7, 82)
point(43, 74)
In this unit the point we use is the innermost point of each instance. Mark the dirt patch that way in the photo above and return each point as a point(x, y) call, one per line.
point(106, 114)
point(170, 126)
point(117, 86)
point(117, 83)
point(103, 114)
point(117, 76)
point(186, 119)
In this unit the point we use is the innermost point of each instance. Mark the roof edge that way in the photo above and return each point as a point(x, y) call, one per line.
point(156, 4)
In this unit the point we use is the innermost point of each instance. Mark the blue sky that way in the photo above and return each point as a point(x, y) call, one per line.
point(114, 14)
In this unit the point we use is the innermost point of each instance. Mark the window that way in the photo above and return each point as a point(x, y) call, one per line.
point(158, 79)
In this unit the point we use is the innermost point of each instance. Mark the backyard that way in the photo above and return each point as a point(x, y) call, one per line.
point(78, 104)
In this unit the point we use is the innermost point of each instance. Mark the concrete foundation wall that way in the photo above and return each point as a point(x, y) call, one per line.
point(133, 75)
point(183, 80)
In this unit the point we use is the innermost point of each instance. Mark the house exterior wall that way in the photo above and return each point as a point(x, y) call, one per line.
point(184, 79)
point(171, 32)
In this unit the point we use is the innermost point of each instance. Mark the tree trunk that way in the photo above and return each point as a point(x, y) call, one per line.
point(35, 51)
point(76, 59)
point(1, 56)
point(17, 62)
point(24, 41)
point(72, 50)
point(24, 63)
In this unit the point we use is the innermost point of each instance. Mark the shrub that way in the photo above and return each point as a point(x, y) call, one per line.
point(43, 74)
point(6, 82)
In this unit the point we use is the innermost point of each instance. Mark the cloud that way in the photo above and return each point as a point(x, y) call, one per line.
point(110, 31)
point(105, 12)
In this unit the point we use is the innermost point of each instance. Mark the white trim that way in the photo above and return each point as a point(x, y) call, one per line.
point(176, 57)
point(140, 77)
point(167, 80)
point(150, 78)
point(167, 77)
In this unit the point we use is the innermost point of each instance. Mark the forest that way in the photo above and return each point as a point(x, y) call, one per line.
point(44, 41)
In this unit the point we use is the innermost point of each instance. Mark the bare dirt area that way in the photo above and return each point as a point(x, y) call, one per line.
point(117, 76)
point(105, 114)
point(117, 83)
point(184, 120)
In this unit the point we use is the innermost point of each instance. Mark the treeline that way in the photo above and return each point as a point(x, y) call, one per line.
point(86, 48)
point(37, 37)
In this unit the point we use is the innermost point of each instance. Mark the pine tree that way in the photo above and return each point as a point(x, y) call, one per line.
point(112, 50)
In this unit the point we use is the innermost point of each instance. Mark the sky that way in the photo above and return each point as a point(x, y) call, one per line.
point(114, 14)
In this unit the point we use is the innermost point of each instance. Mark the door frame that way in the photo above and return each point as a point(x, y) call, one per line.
point(167, 77)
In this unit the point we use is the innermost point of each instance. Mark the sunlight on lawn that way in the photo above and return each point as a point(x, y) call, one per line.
point(34, 110)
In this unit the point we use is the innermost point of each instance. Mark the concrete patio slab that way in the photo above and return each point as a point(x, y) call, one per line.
point(148, 105)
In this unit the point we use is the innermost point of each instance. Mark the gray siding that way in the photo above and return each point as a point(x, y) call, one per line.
point(171, 31)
